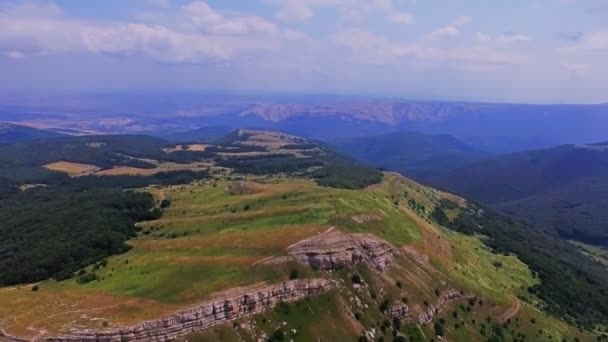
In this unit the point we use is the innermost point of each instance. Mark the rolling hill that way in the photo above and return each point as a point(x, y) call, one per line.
point(11, 133)
point(272, 237)
point(410, 153)
point(563, 188)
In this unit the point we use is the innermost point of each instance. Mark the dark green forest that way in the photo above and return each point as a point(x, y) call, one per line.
point(564, 189)
point(573, 287)
point(54, 231)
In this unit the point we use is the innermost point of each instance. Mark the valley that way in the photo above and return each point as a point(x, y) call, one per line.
point(303, 171)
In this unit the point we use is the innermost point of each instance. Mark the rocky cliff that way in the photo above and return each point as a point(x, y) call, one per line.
point(335, 249)
point(203, 316)
point(402, 311)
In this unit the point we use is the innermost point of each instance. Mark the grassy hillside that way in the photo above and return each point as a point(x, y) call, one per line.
point(217, 233)
point(563, 189)
point(232, 229)
point(72, 189)
point(410, 153)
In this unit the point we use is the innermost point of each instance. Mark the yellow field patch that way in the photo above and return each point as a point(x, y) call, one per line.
point(190, 147)
point(127, 171)
point(72, 169)
point(163, 167)
point(270, 140)
point(54, 308)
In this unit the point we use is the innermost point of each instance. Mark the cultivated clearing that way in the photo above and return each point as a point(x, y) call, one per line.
point(72, 169)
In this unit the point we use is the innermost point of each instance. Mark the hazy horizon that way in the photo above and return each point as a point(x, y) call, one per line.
point(406, 49)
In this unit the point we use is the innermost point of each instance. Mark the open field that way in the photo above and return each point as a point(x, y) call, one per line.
point(189, 147)
point(207, 241)
point(596, 253)
point(161, 167)
point(72, 169)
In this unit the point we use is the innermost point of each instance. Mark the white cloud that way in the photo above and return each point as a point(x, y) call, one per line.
point(483, 38)
point(452, 30)
point(294, 35)
point(15, 54)
point(350, 10)
point(401, 17)
point(159, 3)
point(370, 48)
point(593, 41)
point(501, 39)
point(209, 35)
point(448, 31)
point(579, 69)
point(206, 19)
point(462, 21)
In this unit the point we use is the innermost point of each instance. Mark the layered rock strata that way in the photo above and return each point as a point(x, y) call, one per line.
point(201, 317)
point(335, 249)
point(402, 311)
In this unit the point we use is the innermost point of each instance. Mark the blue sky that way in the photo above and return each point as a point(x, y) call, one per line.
point(510, 51)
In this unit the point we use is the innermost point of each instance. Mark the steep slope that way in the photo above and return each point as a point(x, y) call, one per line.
point(410, 153)
point(10, 133)
point(563, 188)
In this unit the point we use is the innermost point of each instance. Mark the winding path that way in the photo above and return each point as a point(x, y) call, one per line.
point(513, 310)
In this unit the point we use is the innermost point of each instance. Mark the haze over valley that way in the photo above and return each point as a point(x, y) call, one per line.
point(310, 170)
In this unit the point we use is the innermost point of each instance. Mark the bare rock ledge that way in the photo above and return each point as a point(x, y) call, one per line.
point(335, 249)
point(201, 317)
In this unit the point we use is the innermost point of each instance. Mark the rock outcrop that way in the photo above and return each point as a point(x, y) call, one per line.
point(335, 249)
point(203, 316)
point(402, 311)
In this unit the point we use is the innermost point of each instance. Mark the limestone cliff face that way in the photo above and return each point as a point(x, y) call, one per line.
point(333, 250)
point(203, 316)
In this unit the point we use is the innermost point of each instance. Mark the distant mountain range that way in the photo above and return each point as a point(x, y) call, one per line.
point(496, 128)
point(563, 188)
point(410, 153)
point(491, 127)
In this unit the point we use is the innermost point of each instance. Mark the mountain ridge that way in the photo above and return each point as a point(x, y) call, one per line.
point(562, 188)
point(410, 153)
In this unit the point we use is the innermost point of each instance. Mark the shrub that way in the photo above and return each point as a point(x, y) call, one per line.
point(278, 335)
point(384, 305)
point(87, 278)
point(439, 329)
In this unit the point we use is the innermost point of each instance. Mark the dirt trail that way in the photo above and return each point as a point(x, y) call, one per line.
point(283, 259)
point(513, 310)
point(331, 229)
